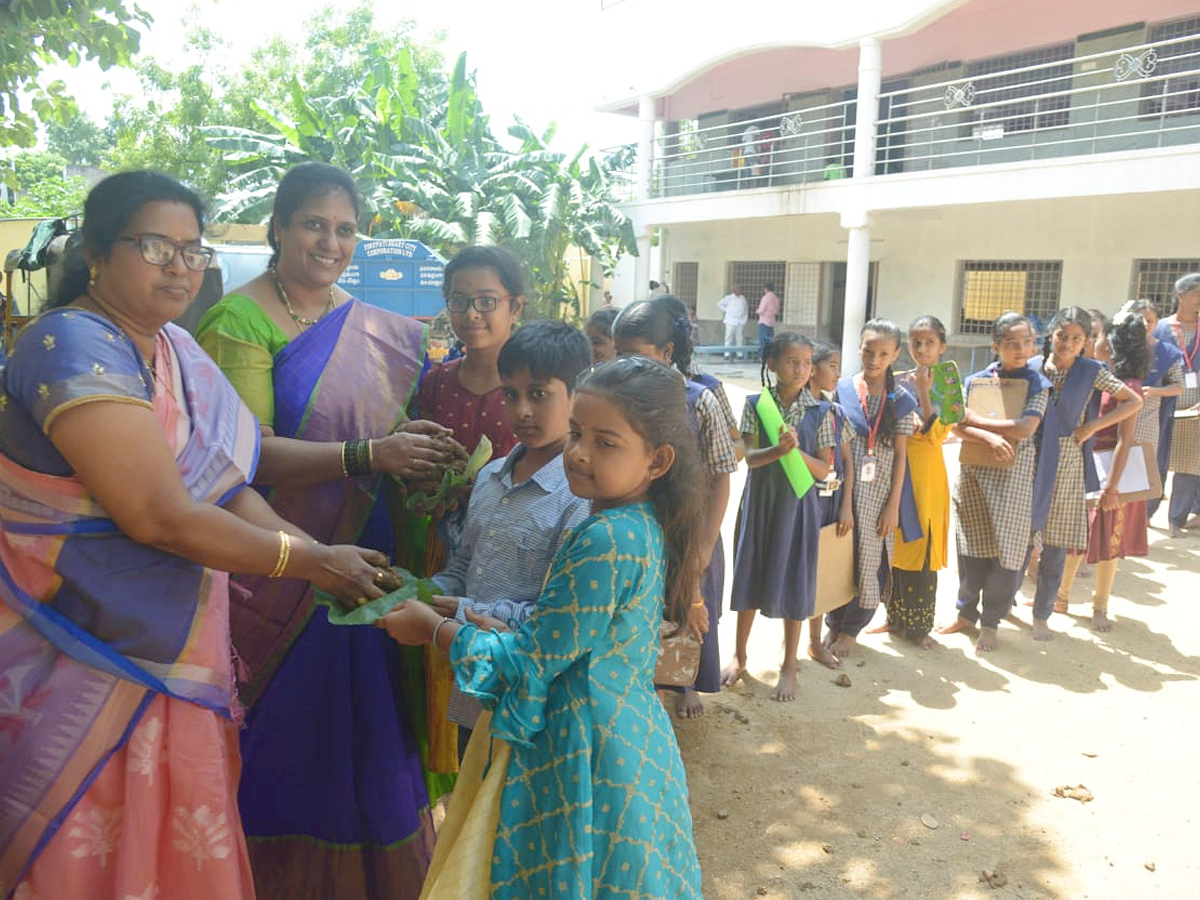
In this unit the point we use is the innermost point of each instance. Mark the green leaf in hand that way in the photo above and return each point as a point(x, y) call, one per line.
point(411, 588)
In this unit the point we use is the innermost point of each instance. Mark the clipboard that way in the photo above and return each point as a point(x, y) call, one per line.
point(835, 570)
point(993, 398)
point(1139, 481)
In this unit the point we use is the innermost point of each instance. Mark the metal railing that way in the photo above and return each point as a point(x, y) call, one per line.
point(806, 144)
point(1128, 98)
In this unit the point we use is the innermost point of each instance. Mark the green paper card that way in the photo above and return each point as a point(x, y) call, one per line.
point(793, 463)
point(945, 392)
point(411, 588)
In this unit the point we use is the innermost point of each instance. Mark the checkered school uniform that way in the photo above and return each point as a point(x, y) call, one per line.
point(718, 392)
point(1066, 526)
point(1145, 430)
point(869, 500)
point(793, 415)
point(994, 507)
point(718, 452)
point(1185, 442)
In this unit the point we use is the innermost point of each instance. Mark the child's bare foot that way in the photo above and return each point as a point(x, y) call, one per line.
point(987, 640)
point(959, 624)
point(1061, 606)
point(689, 705)
point(820, 653)
point(732, 672)
point(842, 644)
point(885, 628)
point(1101, 622)
point(926, 642)
point(785, 688)
point(1041, 630)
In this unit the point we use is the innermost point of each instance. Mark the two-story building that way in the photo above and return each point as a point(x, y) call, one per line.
point(1012, 154)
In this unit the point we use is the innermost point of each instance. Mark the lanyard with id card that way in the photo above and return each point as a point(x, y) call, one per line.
point(866, 469)
point(1189, 372)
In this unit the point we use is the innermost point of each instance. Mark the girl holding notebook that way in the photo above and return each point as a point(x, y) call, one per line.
point(777, 533)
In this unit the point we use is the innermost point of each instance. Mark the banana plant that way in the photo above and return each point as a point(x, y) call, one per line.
point(429, 167)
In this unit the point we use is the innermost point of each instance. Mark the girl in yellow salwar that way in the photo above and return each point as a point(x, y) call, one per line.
point(916, 563)
point(575, 788)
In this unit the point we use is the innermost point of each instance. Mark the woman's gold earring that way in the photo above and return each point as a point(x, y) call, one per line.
point(92, 270)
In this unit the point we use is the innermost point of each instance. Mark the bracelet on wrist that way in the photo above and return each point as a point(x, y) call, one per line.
point(285, 553)
point(436, 629)
point(356, 458)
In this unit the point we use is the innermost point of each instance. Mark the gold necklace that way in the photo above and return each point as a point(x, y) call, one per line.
point(300, 321)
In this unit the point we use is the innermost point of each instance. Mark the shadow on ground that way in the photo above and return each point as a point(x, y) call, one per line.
point(846, 820)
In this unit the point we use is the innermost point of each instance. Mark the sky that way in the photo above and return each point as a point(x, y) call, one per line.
point(534, 58)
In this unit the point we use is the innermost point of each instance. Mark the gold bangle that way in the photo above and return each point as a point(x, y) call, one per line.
point(370, 456)
point(698, 603)
point(345, 471)
point(285, 553)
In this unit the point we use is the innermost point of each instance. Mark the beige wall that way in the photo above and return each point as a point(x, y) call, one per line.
point(229, 233)
point(14, 235)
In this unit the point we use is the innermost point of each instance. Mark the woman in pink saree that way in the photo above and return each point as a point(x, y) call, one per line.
point(124, 454)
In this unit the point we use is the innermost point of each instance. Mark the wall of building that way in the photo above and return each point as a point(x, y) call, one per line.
point(14, 235)
point(1097, 239)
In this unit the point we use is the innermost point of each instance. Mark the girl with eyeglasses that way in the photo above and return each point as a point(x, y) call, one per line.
point(484, 289)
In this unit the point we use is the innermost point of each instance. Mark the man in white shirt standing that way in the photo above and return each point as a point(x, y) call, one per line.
point(733, 305)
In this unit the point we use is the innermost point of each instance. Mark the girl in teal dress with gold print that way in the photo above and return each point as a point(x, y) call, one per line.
point(575, 788)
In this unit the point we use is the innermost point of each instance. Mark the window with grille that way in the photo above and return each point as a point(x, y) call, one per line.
point(989, 288)
point(1022, 91)
point(1179, 61)
point(684, 277)
point(1154, 279)
point(802, 295)
point(753, 276)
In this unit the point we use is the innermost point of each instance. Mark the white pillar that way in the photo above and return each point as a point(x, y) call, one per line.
point(645, 157)
point(641, 279)
point(870, 75)
point(858, 271)
point(857, 221)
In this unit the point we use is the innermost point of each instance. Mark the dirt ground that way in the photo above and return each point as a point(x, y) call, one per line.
point(934, 767)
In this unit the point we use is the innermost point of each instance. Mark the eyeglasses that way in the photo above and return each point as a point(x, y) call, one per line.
point(484, 303)
point(159, 251)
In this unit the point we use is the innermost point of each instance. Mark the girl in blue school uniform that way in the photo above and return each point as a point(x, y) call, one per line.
point(881, 415)
point(777, 534)
point(837, 493)
point(1059, 505)
point(659, 329)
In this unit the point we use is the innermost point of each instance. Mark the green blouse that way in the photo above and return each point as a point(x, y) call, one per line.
point(243, 339)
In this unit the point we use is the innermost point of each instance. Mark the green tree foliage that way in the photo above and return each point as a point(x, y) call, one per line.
point(42, 190)
point(422, 150)
point(161, 126)
point(35, 34)
point(79, 140)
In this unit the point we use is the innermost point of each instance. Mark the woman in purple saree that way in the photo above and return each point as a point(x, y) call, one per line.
point(333, 794)
point(124, 454)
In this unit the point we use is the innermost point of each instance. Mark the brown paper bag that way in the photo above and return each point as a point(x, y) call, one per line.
point(835, 570)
